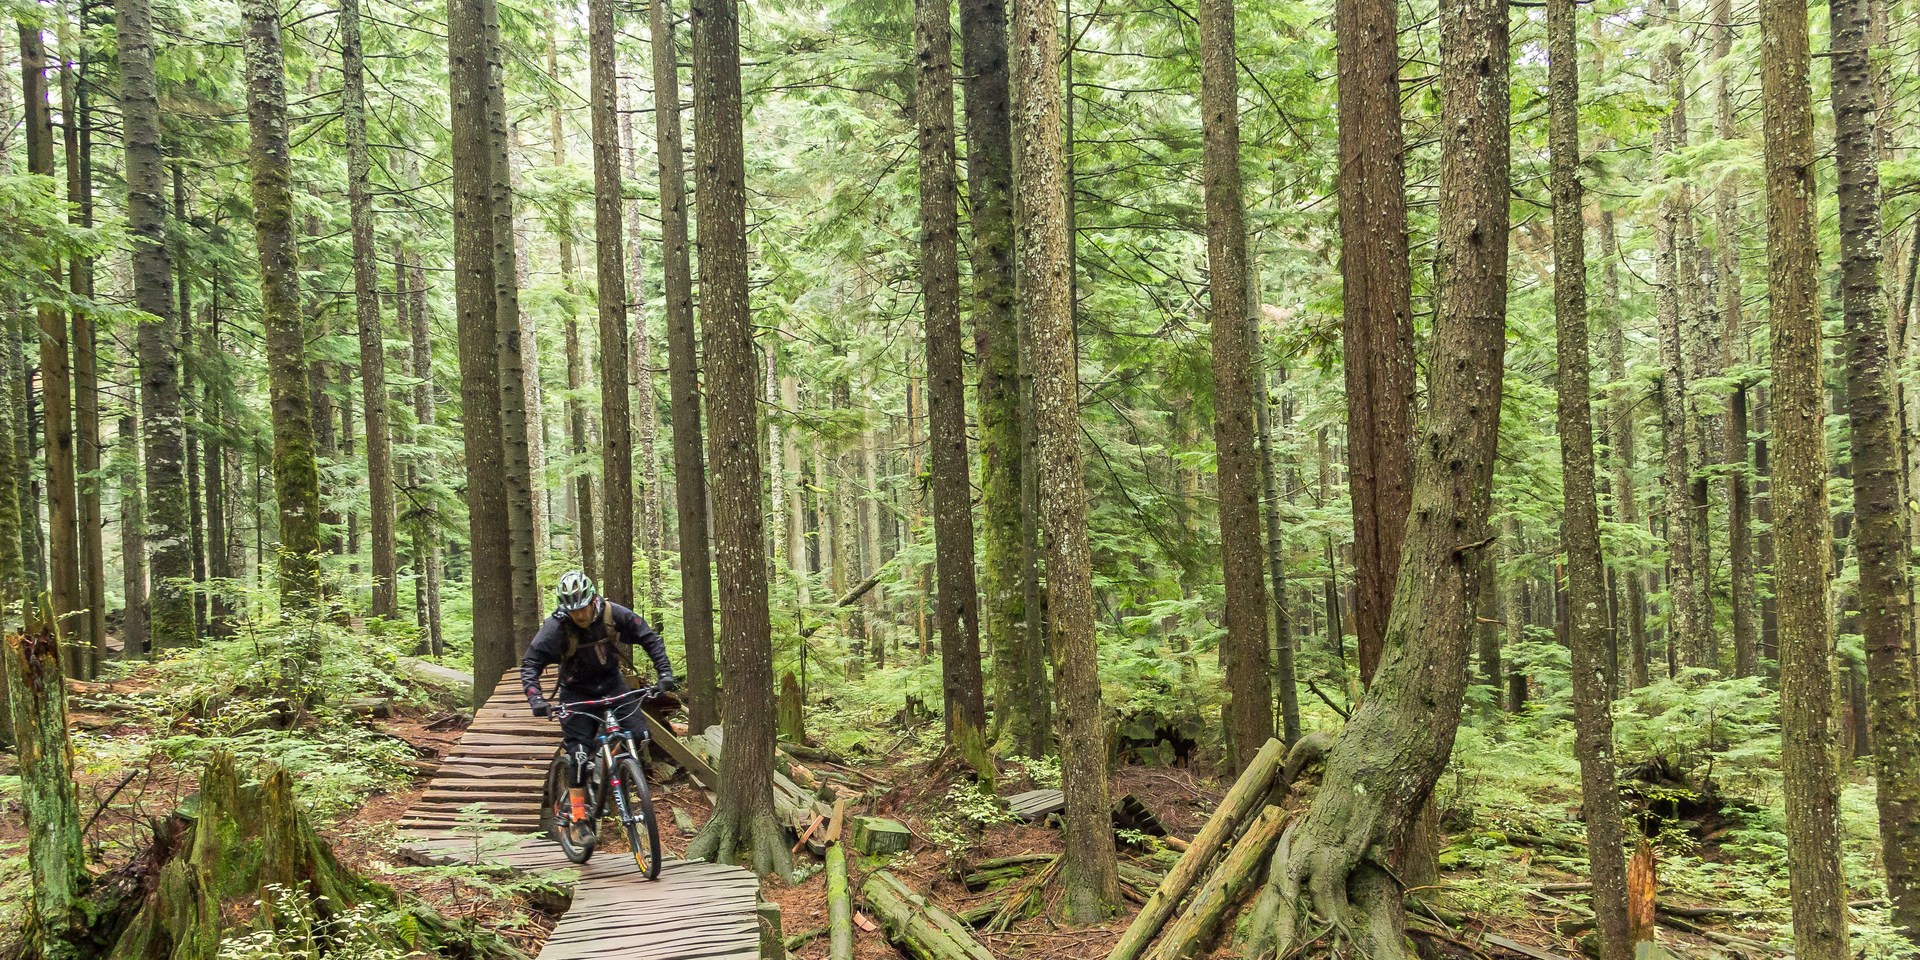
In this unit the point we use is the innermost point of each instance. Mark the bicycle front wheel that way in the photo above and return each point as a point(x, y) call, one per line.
point(636, 813)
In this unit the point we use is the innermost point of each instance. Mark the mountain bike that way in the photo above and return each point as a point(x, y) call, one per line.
point(618, 775)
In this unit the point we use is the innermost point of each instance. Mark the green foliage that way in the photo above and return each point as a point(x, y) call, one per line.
point(291, 925)
point(968, 810)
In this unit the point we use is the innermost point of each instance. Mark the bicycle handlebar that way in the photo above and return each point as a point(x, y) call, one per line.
point(561, 711)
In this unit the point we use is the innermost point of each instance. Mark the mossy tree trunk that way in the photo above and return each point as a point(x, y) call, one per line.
point(1336, 863)
point(743, 827)
point(296, 476)
point(37, 700)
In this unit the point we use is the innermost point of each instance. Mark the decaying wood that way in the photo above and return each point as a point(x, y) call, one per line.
point(916, 925)
point(1247, 793)
point(1237, 872)
point(839, 905)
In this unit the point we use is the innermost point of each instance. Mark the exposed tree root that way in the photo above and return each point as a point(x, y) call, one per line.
point(755, 842)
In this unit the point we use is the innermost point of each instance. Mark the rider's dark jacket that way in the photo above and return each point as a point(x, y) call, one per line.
point(591, 658)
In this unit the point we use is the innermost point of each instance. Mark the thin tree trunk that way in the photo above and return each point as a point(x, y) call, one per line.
point(1331, 863)
point(76, 106)
point(743, 827)
point(1586, 569)
point(642, 386)
point(1879, 534)
point(1088, 867)
point(133, 526)
point(1625, 421)
point(214, 463)
point(1287, 687)
point(56, 382)
point(477, 308)
point(579, 430)
point(952, 486)
point(796, 513)
point(426, 536)
point(1734, 351)
point(689, 463)
point(1802, 544)
point(373, 351)
point(616, 420)
point(1684, 631)
point(1249, 684)
point(1377, 281)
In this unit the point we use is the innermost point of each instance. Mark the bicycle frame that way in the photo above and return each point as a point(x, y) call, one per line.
point(612, 732)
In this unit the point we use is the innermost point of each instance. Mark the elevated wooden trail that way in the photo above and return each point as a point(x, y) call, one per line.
point(694, 911)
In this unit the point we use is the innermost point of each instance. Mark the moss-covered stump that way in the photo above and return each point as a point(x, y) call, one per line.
point(245, 862)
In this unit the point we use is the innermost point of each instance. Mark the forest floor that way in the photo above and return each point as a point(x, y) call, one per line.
point(1512, 860)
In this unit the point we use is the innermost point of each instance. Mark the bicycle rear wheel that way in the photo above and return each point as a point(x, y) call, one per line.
point(556, 813)
point(636, 813)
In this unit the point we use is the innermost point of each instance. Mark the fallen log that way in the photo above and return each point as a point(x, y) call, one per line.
point(916, 925)
point(1247, 793)
point(839, 906)
point(1237, 872)
point(849, 599)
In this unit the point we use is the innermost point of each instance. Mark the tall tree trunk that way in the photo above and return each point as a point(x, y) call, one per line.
point(796, 515)
point(616, 420)
point(373, 351)
point(579, 429)
point(1802, 545)
point(1742, 593)
point(1088, 867)
point(426, 538)
point(1333, 863)
point(743, 827)
point(1879, 535)
point(642, 385)
point(1377, 281)
point(76, 107)
point(56, 383)
point(133, 525)
point(1287, 687)
point(296, 476)
point(518, 467)
point(495, 630)
point(689, 462)
point(1586, 569)
point(996, 337)
point(214, 464)
point(1684, 630)
point(1622, 412)
point(192, 362)
point(1249, 687)
point(26, 489)
point(952, 485)
point(171, 607)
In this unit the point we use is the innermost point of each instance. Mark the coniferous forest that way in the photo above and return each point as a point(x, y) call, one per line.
point(1273, 479)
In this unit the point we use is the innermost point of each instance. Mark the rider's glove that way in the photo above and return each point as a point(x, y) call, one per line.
point(668, 684)
point(539, 705)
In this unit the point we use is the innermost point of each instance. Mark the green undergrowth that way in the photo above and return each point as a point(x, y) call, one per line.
point(1697, 763)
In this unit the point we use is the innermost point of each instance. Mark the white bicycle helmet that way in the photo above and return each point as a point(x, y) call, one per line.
point(575, 591)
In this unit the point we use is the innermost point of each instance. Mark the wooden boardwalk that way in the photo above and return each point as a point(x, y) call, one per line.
point(694, 911)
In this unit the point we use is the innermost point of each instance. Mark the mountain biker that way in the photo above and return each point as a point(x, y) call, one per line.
point(586, 636)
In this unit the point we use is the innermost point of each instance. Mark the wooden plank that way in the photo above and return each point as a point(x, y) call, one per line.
point(675, 748)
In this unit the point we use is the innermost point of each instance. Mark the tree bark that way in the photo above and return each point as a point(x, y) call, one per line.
point(580, 508)
point(642, 386)
point(1088, 866)
point(1334, 862)
point(1249, 685)
point(426, 537)
point(76, 107)
point(1802, 544)
point(1684, 631)
point(616, 421)
point(1586, 569)
point(996, 333)
point(133, 543)
point(743, 827)
point(1288, 688)
point(171, 607)
point(373, 351)
point(56, 382)
point(689, 463)
point(952, 486)
point(495, 633)
point(1624, 422)
point(1377, 284)
point(1879, 534)
point(37, 697)
point(1742, 592)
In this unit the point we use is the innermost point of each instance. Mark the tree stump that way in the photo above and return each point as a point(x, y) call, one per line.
point(790, 713)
